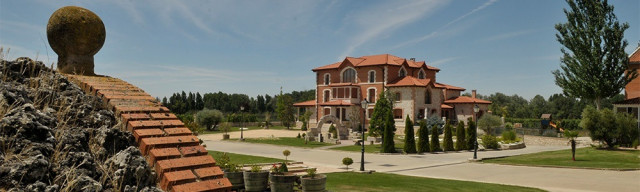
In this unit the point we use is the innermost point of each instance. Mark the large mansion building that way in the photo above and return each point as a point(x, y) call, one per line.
point(631, 104)
point(341, 86)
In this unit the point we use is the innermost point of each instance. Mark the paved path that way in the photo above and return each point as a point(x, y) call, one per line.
point(450, 166)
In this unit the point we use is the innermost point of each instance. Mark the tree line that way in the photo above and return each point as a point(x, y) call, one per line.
point(183, 102)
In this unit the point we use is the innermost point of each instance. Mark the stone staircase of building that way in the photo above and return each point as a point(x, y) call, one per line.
point(173, 151)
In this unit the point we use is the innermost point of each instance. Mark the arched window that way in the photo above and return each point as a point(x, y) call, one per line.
point(372, 76)
point(326, 79)
point(427, 97)
point(349, 76)
point(421, 75)
point(327, 94)
point(402, 72)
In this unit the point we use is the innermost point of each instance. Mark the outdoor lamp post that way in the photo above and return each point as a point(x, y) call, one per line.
point(476, 109)
point(241, 123)
point(363, 104)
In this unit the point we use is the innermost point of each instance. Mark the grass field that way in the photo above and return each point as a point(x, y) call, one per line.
point(585, 158)
point(241, 159)
point(393, 182)
point(286, 141)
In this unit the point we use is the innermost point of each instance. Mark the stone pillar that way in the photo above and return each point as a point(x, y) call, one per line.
point(75, 34)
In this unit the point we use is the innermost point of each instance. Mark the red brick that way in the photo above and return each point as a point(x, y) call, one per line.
point(163, 116)
point(209, 173)
point(175, 178)
point(193, 150)
point(124, 109)
point(109, 97)
point(162, 154)
point(184, 163)
point(144, 133)
point(214, 185)
point(178, 131)
point(162, 142)
point(132, 125)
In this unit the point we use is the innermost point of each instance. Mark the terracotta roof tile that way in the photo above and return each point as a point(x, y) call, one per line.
point(445, 106)
point(465, 99)
point(629, 101)
point(305, 103)
point(371, 60)
point(409, 81)
point(442, 85)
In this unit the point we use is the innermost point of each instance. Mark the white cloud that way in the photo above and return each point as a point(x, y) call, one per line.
point(373, 22)
point(130, 8)
point(508, 35)
point(442, 61)
point(439, 30)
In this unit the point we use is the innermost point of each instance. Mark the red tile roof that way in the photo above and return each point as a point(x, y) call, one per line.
point(631, 101)
point(634, 58)
point(442, 85)
point(305, 103)
point(444, 106)
point(409, 81)
point(337, 103)
point(372, 60)
point(465, 99)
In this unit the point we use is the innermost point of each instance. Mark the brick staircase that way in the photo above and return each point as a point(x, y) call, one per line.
point(175, 153)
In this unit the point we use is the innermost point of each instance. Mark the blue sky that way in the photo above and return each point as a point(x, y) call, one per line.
point(256, 47)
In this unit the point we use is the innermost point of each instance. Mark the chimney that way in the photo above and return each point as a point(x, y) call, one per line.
point(413, 59)
point(473, 93)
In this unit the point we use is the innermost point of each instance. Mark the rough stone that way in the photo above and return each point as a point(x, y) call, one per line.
point(75, 34)
point(128, 167)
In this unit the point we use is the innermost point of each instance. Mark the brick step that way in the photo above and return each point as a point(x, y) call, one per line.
point(146, 133)
point(140, 124)
point(188, 151)
point(108, 98)
point(176, 178)
point(115, 92)
point(178, 131)
point(207, 173)
point(146, 116)
point(147, 144)
point(214, 185)
point(184, 163)
point(126, 109)
point(162, 154)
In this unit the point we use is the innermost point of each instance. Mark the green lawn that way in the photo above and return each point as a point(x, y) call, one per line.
point(286, 141)
point(585, 158)
point(241, 159)
point(392, 182)
point(369, 148)
point(237, 129)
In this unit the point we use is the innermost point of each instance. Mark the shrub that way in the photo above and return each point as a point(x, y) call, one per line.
point(286, 154)
point(304, 135)
point(256, 168)
point(612, 129)
point(447, 143)
point(509, 136)
point(570, 124)
point(209, 118)
point(299, 136)
point(347, 161)
point(471, 133)
point(409, 139)
point(435, 142)
point(423, 138)
point(490, 142)
point(433, 120)
point(283, 168)
point(333, 131)
point(461, 140)
point(311, 172)
point(488, 122)
point(508, 126)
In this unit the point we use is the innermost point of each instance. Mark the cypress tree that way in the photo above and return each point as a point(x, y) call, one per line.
point(423, 138)
point(461, 140)
point(388, 145)
point(435, 142)
point(447, 143)
point(471, 131)
point(409, 139)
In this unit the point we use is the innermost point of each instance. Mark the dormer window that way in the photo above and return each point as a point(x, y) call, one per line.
point(372, 76)
point(402, 72)
point(421, 75)
point(326, 79)
point(349, 76)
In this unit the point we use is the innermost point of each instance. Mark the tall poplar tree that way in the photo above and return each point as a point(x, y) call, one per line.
point(594, 61)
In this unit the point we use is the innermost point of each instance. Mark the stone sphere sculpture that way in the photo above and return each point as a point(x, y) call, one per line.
point(75, 34)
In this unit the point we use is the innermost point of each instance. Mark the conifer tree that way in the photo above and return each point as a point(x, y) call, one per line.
point(435, 141)
point(423, 138)
point(461, 140)
point(447, 143)
point(594, 60)
point(409, 139)
point(471, 131)
point(388, 145)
